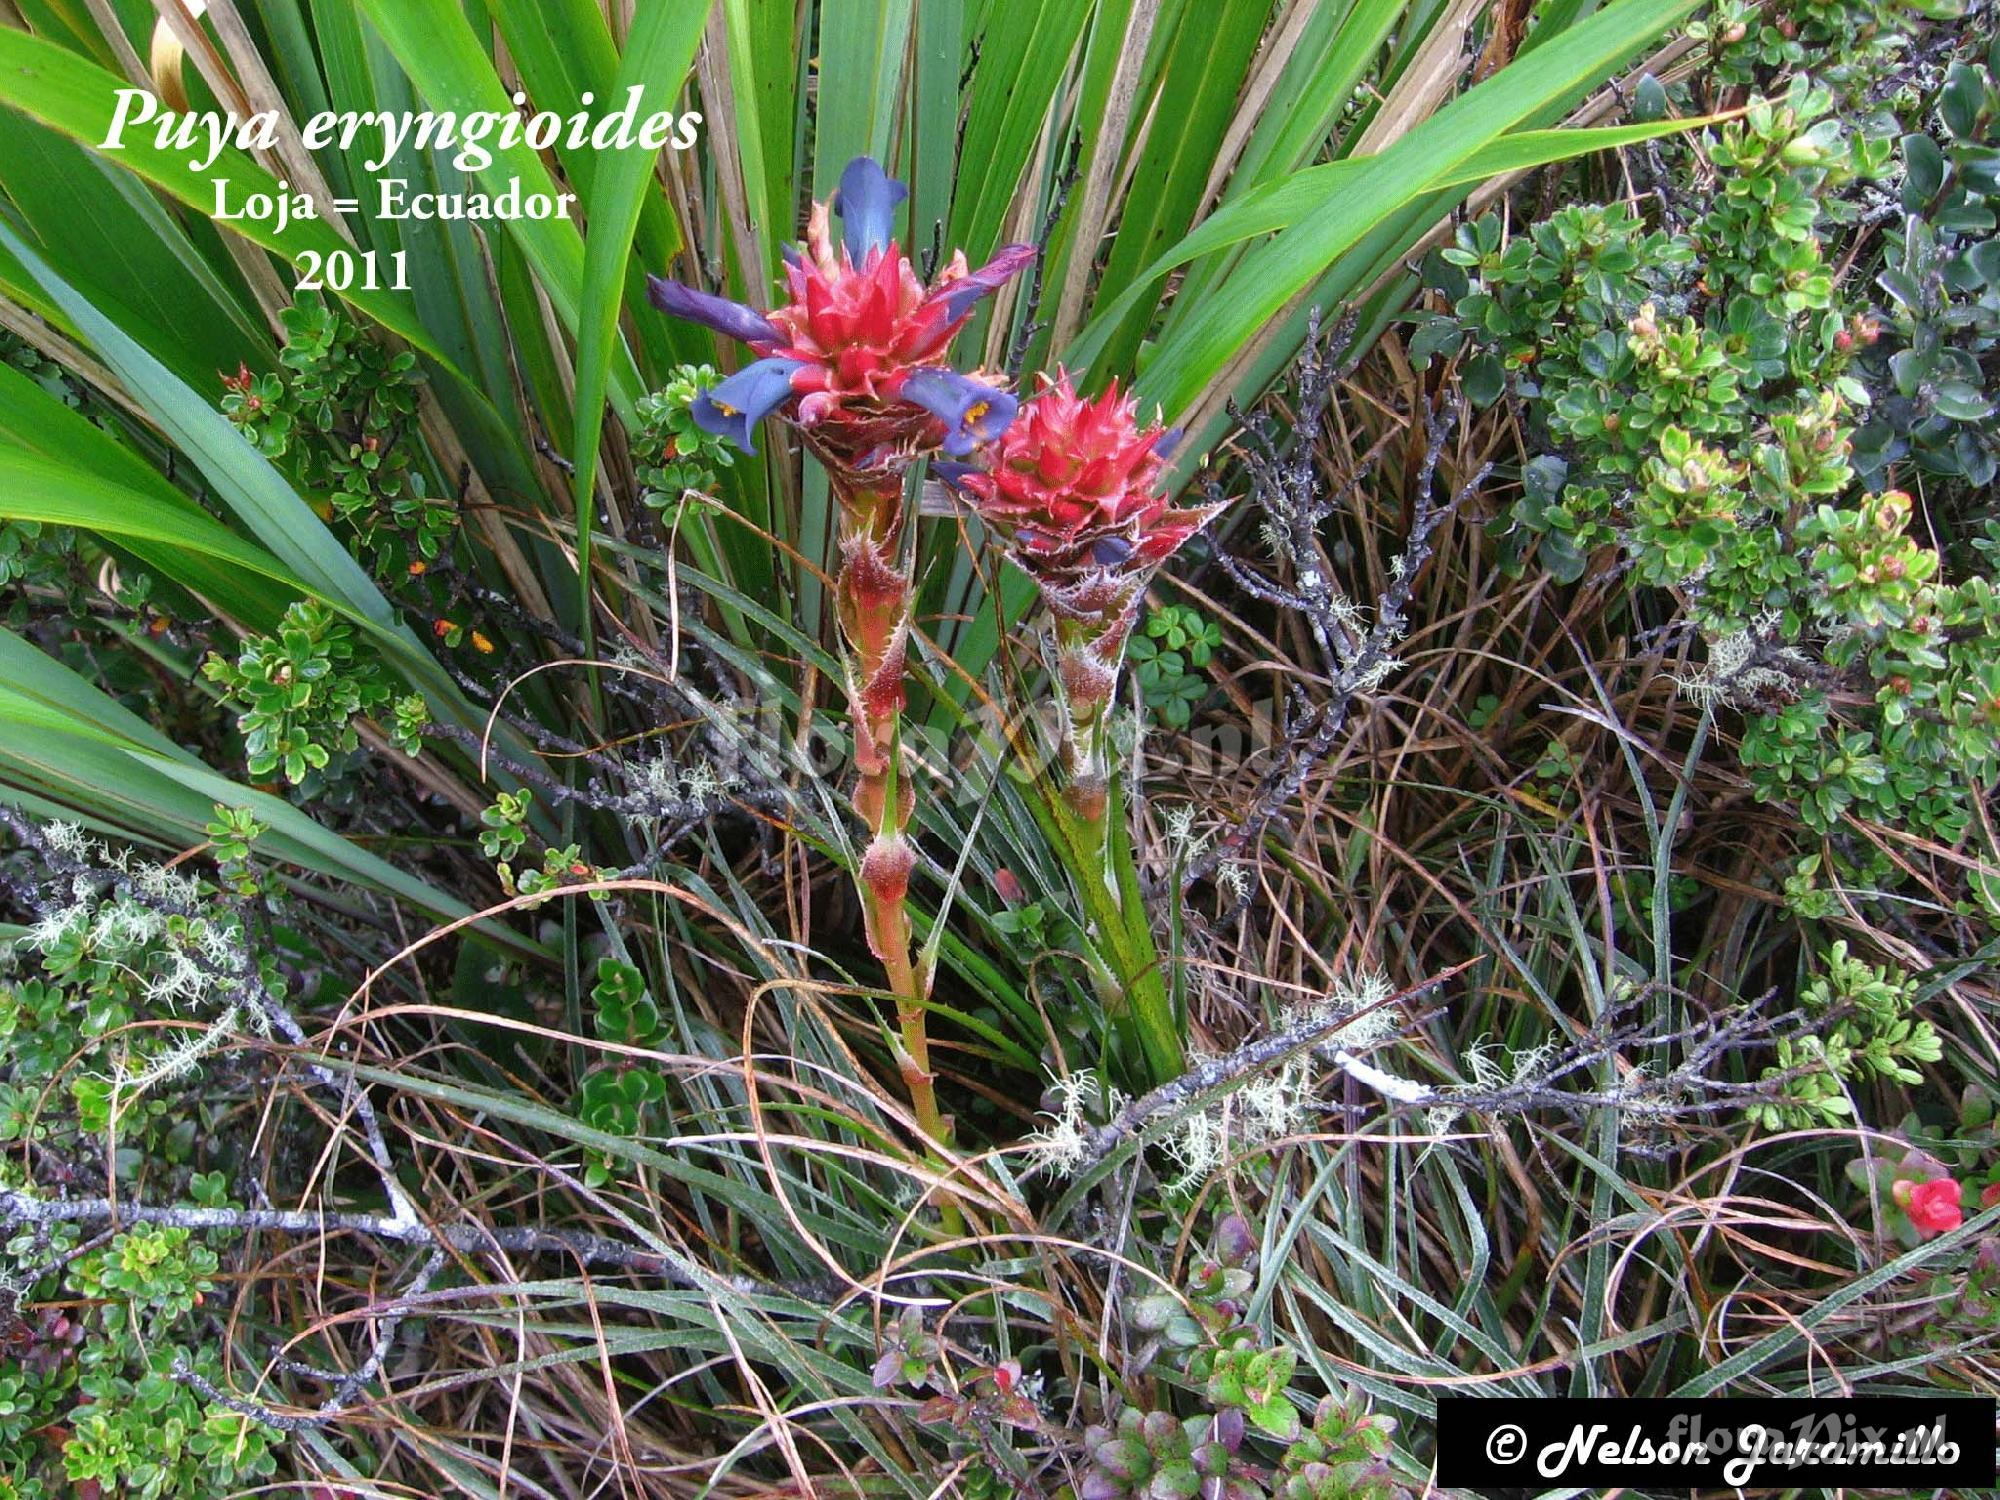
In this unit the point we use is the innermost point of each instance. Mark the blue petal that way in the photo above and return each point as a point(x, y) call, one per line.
point(1166, 442)
point(952, 472)
point(719, 313)
point(1111, 551)
point(866, 204)
point(734, 407)
point(959, 295)
point(972, 413)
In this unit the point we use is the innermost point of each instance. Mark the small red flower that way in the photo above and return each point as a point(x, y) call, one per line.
point(1932, 1206)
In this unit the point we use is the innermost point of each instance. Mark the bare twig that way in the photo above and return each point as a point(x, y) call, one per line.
point(1685, 1091)
point(19, 1209)
point(1286, 485)
point(1031, 301)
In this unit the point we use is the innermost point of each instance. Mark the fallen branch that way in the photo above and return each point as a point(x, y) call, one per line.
point(1685, 1091)
point(22, 1210)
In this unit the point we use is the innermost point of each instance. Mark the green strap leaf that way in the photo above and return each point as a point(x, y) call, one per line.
point(1278, 206)
point(438, 48)
point(1182, 370)
point(79, 99)
point(658, 54)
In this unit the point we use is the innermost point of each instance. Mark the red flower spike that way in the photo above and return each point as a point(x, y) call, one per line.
point(1073, 488)
point(856, 357)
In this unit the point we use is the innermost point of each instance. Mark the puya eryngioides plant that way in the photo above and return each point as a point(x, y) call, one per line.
point(1074, 489)
point(855, 361)
point(1072, 485)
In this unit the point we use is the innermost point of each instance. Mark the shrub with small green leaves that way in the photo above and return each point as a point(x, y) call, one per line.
point(338, 417)
point(408, 720)
point(670, 453)
point(299, 693)
point(560, 867)
point(625, 1011)
point(231, 833)
point(505, 823)
point(95, 1402)
point(1029, 921)
point(1615, 330)
point(125, 986)
point(141, 1432)
point(1342, 1455)
point(910, 1354)
point(618, 1099)
point(1701, 386)
point(1846, 44)
point(1933, 363)
point(1869, 1034)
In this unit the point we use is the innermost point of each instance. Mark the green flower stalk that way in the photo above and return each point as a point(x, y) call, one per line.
point(1073, 489)
point(855, 360)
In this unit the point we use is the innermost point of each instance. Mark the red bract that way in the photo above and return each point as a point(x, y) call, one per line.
point(866, 326)
point(856, 357)
point(1073, 486)
point(1074, 489)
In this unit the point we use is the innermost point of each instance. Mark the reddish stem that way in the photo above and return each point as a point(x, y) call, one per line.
point(873, 599)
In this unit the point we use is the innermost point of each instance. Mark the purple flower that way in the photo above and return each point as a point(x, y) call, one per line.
point(719, 313)
point(952, 472)
point(866, 203)
point(861, 341)
point(971, 412)
point(959, 296)
point(735, 407)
